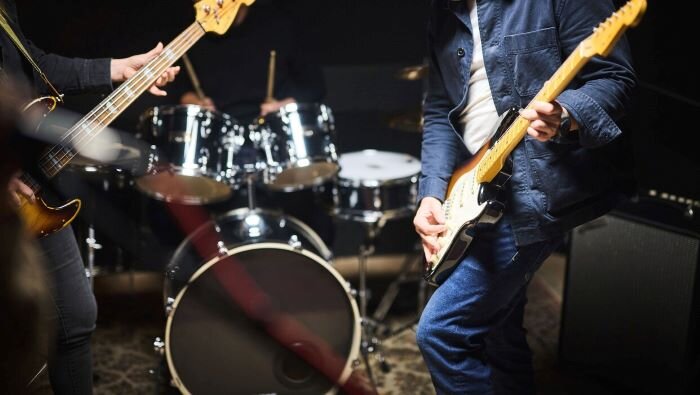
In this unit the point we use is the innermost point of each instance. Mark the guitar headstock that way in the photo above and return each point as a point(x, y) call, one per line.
point(216, 16)
point(605, 36)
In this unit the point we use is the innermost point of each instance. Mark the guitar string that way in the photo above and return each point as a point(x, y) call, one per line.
point(569, 65)
point(186, 38)
point(97, 116)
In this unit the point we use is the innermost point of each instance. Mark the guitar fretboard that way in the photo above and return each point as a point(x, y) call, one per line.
point(110, 108)
point(495, 158)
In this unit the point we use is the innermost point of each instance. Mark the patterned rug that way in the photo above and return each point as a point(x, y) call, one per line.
point(125, 362)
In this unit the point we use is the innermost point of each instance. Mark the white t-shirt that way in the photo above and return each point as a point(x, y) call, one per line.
point(480, 116)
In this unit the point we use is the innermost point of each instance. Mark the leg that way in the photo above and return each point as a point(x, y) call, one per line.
point(70, 366)
point(478, 297)
point(508, 353)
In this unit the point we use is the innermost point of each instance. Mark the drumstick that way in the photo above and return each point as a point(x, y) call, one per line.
point(271, 77)
point(193, 77)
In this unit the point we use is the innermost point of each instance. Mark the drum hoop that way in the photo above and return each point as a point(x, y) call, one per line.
point(374, 183)
point(373, 216)
point(369, 183)
point(354, 348)
point(315, 238)
point(170, 110)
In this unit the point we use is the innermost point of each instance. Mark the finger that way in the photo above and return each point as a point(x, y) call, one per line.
point(140, 60)
point(543, 107)
point(155, 51)
point(537, 134)
point(26, 191)
point(432, 243)
point(542, 126)
point(16, 201)
point(529, 114)
point(439, 215)
point(426, 229)
point(427, 252)
point(155, 91)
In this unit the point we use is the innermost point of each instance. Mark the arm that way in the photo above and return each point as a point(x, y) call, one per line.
point(599, 96)
point(72, 75)
point(441, 152)
point(442, 149)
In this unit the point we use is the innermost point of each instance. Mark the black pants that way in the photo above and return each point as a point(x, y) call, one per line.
point(74, 315)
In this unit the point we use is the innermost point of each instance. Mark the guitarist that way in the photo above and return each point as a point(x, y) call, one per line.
point(70, 366)
point(486, 57)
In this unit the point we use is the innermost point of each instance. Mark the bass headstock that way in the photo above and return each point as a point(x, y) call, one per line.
point(216, 16)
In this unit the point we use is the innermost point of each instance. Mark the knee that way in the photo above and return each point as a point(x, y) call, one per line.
point(78, 324)
point(426, 334)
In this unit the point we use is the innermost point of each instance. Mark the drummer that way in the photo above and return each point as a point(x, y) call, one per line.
point(233, 68)
point(233, 71)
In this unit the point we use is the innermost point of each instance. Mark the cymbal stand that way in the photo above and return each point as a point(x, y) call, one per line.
point(250, 184)
point(370, 344)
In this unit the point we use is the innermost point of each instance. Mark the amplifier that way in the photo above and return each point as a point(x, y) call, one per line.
point(631, 307)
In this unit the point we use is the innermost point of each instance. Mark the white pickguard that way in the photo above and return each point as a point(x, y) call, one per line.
point(461, 206)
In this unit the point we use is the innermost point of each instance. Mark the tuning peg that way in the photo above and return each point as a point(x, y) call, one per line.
point(220, 3)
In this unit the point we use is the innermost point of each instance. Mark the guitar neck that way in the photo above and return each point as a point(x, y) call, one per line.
point(111, 107)
point(495, 157)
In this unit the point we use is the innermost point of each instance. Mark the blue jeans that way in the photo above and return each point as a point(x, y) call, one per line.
point(471, 334)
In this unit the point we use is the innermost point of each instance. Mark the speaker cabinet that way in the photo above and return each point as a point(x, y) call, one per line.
point(631, 303)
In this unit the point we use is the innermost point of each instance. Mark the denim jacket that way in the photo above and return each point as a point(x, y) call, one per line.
point(555, 186)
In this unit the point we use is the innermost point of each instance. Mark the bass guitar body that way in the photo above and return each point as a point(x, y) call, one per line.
point(42, 220)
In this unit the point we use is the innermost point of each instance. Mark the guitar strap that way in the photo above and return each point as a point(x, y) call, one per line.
point(5, 24)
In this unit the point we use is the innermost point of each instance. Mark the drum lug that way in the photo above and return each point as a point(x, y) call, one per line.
point(295, 243)
point(356, 363)
point(159, 346)
point(169, 305)
point(223, 251)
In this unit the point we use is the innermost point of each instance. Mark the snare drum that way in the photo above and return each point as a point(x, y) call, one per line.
point(374, 185)
point(254, 308)
point(298, 143)
point(192, 154)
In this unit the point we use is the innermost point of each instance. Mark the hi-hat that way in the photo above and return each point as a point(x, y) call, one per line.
point(407, 122)
point(413, 73)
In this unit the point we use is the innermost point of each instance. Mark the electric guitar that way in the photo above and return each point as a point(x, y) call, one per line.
point(475, 193)
point(214, 16)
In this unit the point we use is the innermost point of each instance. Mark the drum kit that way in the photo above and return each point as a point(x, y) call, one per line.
point(254, 289)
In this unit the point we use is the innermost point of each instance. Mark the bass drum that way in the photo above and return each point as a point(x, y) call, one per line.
point(253, 308)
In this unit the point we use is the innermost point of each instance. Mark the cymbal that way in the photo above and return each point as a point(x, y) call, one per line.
point(117, 152)
point(408, 122)
point(413, 73)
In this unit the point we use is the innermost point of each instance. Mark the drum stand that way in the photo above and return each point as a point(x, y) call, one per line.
point(374, 327)
point(405, 276)
point(370, 343)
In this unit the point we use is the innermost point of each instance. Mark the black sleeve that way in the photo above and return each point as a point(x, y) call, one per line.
point(68, 75)
point(72, 75)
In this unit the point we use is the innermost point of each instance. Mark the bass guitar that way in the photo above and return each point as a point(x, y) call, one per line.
point(214, 16)
point(474, 192)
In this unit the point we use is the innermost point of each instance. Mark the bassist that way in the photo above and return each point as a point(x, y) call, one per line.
point(70, 369)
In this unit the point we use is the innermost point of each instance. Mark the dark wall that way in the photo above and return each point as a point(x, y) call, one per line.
point(361, 43)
